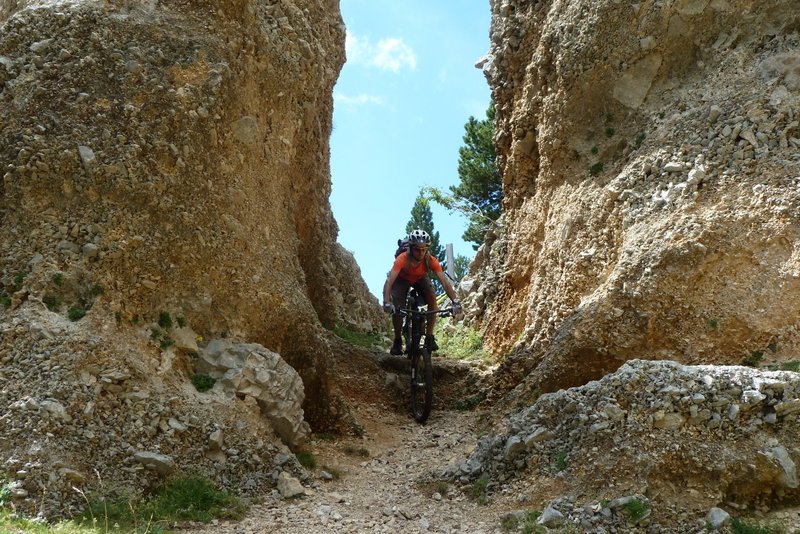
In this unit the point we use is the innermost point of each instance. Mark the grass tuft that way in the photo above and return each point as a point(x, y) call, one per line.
point(479, 488)
point(356, 451)
point(360, 339)
point(182, 499)
point(636, 509)
point(793, 365)
point(524, 522)
point(561, 461)
point(461, 342)
point(742, 526)
point(52, 302)
point(306, 459)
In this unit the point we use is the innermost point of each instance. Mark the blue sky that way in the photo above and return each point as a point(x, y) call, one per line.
point(400, 105)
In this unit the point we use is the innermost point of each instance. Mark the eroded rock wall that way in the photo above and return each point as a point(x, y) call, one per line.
point(651, 168)
point(168, 161)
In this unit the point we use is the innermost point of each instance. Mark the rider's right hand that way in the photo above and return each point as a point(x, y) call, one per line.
point(388, 307)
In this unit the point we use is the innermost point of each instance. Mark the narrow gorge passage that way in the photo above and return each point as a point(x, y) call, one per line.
point(387, 479)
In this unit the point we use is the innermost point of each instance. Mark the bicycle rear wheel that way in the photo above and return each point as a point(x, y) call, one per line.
point(421, 385)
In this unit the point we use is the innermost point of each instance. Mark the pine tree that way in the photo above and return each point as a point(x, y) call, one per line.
point(422, 218)
point(481, 184)
point(460, 266)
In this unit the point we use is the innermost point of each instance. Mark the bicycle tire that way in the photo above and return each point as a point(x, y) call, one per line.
point(421, 385)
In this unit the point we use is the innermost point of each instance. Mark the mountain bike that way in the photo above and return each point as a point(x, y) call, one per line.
point(415, 319)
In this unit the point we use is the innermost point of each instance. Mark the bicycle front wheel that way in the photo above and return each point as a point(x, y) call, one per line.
point(421, 385)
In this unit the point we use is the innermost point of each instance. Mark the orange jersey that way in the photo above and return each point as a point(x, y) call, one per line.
point(407, 271)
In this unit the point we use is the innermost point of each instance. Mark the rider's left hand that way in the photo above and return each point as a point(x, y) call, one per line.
point(388, 307)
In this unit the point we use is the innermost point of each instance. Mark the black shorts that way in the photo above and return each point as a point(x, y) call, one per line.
point(400, 289)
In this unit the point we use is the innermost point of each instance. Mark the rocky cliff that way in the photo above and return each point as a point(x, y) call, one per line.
point(165, 183)
point(650, 155)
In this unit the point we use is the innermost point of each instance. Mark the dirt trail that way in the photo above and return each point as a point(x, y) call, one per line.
point(387, 479)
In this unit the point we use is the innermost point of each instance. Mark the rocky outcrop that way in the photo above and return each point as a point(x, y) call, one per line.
point(249, 371)
point(681, 439)
point(164, 162)
point(649, 155)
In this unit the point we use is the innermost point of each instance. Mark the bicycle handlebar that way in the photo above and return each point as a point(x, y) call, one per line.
point(432, 312)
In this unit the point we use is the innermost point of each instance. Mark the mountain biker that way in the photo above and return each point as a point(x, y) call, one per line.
point(411, 269)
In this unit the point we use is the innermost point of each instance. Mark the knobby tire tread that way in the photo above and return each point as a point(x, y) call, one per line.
point(421, 410)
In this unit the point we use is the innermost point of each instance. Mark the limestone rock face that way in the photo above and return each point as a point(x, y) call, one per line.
point(649, 155)
point(164, 162)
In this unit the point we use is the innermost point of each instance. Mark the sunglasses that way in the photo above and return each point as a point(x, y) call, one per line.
point(421, 249)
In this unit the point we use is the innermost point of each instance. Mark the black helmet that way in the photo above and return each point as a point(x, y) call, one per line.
point(419, 237)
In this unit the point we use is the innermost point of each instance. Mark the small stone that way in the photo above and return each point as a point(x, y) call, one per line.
point(288, 486)
point(717, 517)
point(159, 463)
point(551, 518)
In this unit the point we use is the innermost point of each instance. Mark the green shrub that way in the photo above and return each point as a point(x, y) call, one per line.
point(5, 300)
point(118, 317)
point(181, 322)
point(461, 342)
point(164, 320)
point(203, 383)
point(754, 359)
point(97, 290)
point(595, 150)
point(596, 169)
point(76, 313)
point(713, 324)
point(58, 279)
point(610, 132)
point(166, 343)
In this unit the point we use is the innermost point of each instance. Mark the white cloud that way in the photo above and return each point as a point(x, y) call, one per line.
point(390, 53)
point(358, 100)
